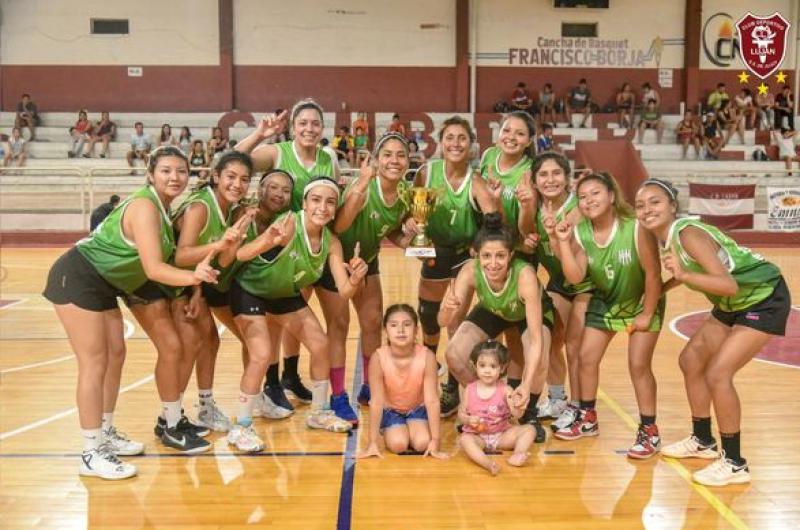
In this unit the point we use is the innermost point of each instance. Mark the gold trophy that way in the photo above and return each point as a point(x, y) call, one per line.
point(420, 203)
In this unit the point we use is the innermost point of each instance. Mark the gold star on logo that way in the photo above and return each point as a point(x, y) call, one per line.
point(780, 77)
point(744, 77)
point(762, 89)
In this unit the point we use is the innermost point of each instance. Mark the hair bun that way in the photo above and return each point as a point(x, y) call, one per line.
point(493, 221)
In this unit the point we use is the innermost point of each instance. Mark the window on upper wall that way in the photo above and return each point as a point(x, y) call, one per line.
point(109, 26)
point(579, 29)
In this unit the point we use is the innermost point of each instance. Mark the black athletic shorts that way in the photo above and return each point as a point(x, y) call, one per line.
point(73, 280)
point(556, 286)
point(769, 315)
point(152, 292)
point(215, 298)
point(445, 265)
point(327, 282)
point(492, 324)
point(246, 303)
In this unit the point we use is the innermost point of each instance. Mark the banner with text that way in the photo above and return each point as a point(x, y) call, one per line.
point(783, 210)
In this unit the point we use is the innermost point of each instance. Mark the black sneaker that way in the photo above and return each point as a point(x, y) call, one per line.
point(294, 386)
point(531, 417)
point(276, 394)
point(184, 441)
point(184, 425)
point(449, 400)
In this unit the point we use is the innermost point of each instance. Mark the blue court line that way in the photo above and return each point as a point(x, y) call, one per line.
point(180, 455)
point(345, 513)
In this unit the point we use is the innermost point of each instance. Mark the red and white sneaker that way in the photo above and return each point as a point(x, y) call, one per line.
point(584, 425)
point(647, 443)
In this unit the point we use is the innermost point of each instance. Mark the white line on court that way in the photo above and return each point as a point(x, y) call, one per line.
point(12, 304)
point(129, 329)
point(58, 416)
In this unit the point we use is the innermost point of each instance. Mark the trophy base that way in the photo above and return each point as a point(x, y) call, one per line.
point(420, 252)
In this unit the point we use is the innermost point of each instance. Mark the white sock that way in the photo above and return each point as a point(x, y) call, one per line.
point(171, 410)
point(556, 392)
point(246, 404)
point(108, 421)
point(206, 397)
point(91, 438)
point(319, 394)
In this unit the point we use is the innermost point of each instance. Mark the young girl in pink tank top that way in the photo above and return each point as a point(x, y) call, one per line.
point(487, 408)
point(404, 405)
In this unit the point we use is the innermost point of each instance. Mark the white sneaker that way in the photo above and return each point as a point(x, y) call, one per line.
point(266, 408)
point(325, 419)
point(212, 417)
point(103, 463)
point(721, 473)
point(120, 444)
point(552, 408)
point(690, 447)
point(245, 439)
point(565, 418)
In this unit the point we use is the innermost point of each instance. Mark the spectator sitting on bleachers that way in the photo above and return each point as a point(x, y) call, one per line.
point(787, 141)
point(166, 138)
point(784, 108)
point(544, 140)
point(712, 140)
point(141, 144)
point(198, 159)
point(416, 158)
point(185, 140)
point(579, 101)
point(547, 104)
point(649, 93)
point(102, 211)
point(730, 120)
point(361, 121)
point(626, 101)
point(104, 131)
point(688, 132)
point(217, 143)
point(743, 102)
point(650, 118)
point(521, 99)
point(765, 107)
point(396, 126)
point(27, 116)
point(716, 98)
point(360, 144)
point(80, 134)
point(344, 144)
point(15, 148)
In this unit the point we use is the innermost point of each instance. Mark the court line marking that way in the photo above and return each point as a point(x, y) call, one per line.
point(129, 329)
point(65, 413)
point(719, 505)
point(345, 511)
point(180, 455)
point(673, 327)
point(14, 303)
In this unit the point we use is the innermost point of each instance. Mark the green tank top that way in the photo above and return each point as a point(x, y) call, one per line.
point(546, 256)
point(510, 179)
point(755, 276)
point(294, 268)
point(507, 303)
point(614, 268)
point(454, 221)
point(216, 225)
point(373, 222)
point(116, 258)
point(289, 161)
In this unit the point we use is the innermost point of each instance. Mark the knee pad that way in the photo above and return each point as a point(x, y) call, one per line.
point(428, 311)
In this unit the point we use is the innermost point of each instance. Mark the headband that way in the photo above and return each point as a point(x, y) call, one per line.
point(321, 181)
point(673, 193)
point(305, 104)
point(390, 136)
point(272, 172)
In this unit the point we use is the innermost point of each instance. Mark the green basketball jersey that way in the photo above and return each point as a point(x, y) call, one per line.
point(507, 303)
point(546, 256)
point(510, 179)
point(755, 276)
point(373, 222)
point(289, 161)
point(294, 268)
point(454, 221)
point(114, 256)
point(616, 273)
point(216, 225)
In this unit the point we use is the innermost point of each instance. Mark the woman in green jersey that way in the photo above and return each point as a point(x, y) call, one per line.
point(130, 247)
point(452, 227)
point(751, 304)
point(372, 209)
point(621, 260)
point(266, 294)
point(203, 224)
point(509, 296)
point(551, 173)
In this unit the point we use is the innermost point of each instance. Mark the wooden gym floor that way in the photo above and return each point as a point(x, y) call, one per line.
point(309, 479)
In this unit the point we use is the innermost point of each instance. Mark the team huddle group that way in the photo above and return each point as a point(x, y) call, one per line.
point(252, 265)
